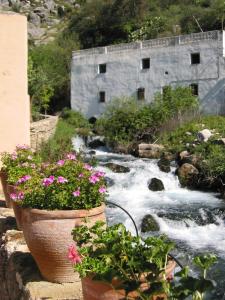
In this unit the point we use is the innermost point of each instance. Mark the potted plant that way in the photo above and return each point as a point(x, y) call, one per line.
point(115, 265)
point(54, 200)
point(15, 165)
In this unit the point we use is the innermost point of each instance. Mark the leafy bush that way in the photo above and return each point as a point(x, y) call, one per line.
point(75, 118)
point(112, 254)
point(124, 118)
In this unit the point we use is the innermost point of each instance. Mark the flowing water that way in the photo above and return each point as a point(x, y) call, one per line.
point(194, 220)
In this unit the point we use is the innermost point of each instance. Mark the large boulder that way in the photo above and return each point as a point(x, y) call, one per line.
point(109, 181)
point(155, 185)
point(164, 165)
point(95, 141)
point(149, 224)
point(150, 150)
point(117, 168)
point(204, 135)
point(188, 175)
point(185, 157)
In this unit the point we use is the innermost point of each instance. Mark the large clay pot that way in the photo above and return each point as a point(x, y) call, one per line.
point(4, 183)
point(15, 205)
point(99, 290)
point(48, 236)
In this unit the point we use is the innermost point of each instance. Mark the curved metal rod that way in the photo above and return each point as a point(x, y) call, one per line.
point(110, 202)
point(137, 234)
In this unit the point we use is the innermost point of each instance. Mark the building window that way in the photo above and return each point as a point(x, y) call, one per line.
point(141, 94)
point(102, 96)
point(102, 68)
point(194, 89)
point(195, 58)
point(145, 63)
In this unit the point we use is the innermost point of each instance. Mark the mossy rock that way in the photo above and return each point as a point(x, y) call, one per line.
point(149, 224)
point(117, 168)
point(156, 185)
point(164, 165)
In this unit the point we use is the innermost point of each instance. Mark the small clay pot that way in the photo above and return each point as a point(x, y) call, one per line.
point(48, 237)
point(99, 290)
point(4, 177)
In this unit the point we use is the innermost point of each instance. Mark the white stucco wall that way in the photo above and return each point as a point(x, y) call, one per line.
point(124, 74)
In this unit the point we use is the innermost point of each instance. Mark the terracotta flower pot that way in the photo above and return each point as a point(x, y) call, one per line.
point(4, 183)
point(48, 236)
point(99, 290)
point(16, 207)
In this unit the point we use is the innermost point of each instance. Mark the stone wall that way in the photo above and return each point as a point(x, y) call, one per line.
point(42, 130)
point(19, 276)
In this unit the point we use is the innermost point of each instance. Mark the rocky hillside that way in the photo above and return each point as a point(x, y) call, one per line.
point(45, 17)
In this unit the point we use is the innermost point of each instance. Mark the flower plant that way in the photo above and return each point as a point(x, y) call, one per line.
point(67, 184)
point(112, 254)
point(21, 162)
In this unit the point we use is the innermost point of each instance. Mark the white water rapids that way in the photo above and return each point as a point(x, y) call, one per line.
point(194, 220)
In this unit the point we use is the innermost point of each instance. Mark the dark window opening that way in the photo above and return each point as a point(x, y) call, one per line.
point(195, 58)
point(194, 89)
point(102, 68)
point(141, 94)
point(102, 96)
point(166, 73)
point(145, 63)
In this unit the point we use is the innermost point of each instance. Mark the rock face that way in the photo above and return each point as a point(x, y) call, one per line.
point(149, 224)
point(188, 175)
point(117, 168)
point(19, 275)
point(155, 185)
point(150, 150)
point(204, 135)
point(164, 165)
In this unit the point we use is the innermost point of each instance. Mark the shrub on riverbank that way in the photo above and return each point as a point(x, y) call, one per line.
point(125, 119)
point(61, 143)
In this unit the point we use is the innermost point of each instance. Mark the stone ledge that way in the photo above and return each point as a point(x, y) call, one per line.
point(20, 278)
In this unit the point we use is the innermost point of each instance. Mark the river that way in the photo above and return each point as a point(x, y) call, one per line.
point(194, 220)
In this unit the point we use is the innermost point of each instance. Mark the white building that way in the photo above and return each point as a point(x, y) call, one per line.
point(141, 69)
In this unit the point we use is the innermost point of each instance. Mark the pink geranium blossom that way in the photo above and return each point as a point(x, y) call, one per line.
point(71, 156)
point(22, 147)
point(87, 167)
point(61, 162)
point(73, 255)
point(23, 179)
point(14, 156)
point(61, 179)
point(102, 190)
point(93, 179)
point(18, 196)
point(48, 181)
point(76, 193)
point(81, 175)
point(99, 174)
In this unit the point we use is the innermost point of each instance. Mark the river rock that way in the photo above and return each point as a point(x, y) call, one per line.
point(155, 185)
point(109, 181)
point(164, 165)
point(34, 19)
point(96, 141)
point(117, 168)
point(168, 156)
point(150, 150)
point(188, 175)
point(204, 135)
point(149, 224)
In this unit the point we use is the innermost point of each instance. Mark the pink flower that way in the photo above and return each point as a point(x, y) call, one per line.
point(14, 156)
point(48, 181)
point(23, 179)
point(30, 157)
point(73, 255)
point(81, 175)
point(33, 166)
point(71, 156)
point(76, 193)
point(13, 196)
point(61, 179)
point(61, 162)
point(22, 147)
point(102, 190)
point(93, 179)
point(99, 174)
point(87, 167)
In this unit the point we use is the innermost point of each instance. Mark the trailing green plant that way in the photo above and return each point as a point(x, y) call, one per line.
point(75, 118)
point(67, 184)
point(112, 253)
